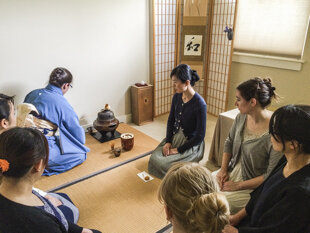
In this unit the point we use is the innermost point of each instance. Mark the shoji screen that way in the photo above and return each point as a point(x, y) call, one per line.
point(164, 52)
point(220, 52)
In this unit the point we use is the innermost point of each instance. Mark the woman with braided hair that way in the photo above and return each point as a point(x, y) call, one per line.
point(47, 110)
point(192, 201)
point(186, 125)
point(248, 156)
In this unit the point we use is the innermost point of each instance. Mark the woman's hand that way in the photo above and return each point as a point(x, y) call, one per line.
point(222, 176)
point(230, 229)
point(233, 220)
point(166, 149)
point(85, 230)
point(231, 186)
point(56, 202)
point(173, 151)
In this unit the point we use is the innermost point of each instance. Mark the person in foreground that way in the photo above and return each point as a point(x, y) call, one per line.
point(192, 200)
point(48, 110)
point(61, 200)
point(186, 125)
point(282, 203)
point(23, 157)
point(248, 156)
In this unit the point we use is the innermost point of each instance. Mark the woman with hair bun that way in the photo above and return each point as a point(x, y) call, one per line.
point(59, 200)
point(248, 156)
point(193, 203)
point(23, 157)
point(186, 125)
point(48, 111)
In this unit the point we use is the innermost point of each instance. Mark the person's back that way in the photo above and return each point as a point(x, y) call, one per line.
point(23, 156)
point(54, 111)
point(61, 200)
point(55, 99)
point(192, 200)
point(24, 219)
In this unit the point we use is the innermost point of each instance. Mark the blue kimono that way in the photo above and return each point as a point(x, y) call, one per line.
point(66, 150)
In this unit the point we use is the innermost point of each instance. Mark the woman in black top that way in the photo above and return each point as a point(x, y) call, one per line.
point(282, 203)
point(61, 200)
point(23, 157)
point(186, 126)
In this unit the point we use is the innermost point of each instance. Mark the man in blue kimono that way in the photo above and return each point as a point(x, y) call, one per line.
point(54, 113)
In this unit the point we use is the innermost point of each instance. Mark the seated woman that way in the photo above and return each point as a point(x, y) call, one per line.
point(282, 203)
point(186, 125)
point(23, 157)
point(192, 200)
point(7, 112)
point(55, 113)
point(248, 156)
point(61, 200)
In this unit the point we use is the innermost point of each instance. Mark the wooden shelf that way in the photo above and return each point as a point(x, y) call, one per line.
point(142, 104)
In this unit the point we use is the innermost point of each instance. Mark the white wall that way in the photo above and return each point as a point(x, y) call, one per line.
point(104, 43)
point(292, 86)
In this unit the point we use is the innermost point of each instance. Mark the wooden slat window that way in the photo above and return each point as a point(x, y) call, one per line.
point(164, 52)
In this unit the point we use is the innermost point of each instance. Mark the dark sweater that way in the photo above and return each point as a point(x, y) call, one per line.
point(286, 209)
point(191, 117)
point(18, 218)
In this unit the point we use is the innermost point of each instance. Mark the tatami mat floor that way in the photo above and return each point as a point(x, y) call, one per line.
point(120, 201)
point(157, 130)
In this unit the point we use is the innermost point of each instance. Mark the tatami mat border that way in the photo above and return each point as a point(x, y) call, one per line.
point(97, 172)
point(166, 229)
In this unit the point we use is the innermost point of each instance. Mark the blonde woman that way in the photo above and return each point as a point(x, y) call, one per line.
point(192, 200)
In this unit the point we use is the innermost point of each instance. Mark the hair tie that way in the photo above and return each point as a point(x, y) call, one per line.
point(4, 165)
point(194, 75)
point(268, 83)
point(271, 91)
